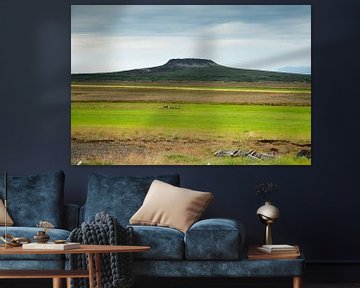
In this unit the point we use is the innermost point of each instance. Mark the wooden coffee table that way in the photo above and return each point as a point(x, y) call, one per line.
point(94, 267)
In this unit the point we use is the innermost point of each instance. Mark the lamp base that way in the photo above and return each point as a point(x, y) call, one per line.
point(268, 237)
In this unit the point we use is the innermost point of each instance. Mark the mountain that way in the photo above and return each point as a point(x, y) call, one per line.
point(188, 63)
point(192, 69)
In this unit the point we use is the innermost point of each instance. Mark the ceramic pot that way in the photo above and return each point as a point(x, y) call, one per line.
point(41, 237)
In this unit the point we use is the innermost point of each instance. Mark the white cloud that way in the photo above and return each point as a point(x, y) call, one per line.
point(272, 38)
point(258, 46)
point(125, 53)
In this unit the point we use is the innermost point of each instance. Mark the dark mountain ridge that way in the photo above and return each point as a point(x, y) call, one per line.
point(192, 70)
point(189, 62)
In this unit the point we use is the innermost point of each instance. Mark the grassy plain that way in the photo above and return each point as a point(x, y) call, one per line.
point(177, 123)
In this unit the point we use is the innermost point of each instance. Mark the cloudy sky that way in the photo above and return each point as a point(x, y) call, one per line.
point(107, 38)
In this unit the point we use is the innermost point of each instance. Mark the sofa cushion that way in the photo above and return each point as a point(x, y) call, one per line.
point(121, 197)
point(29, 232)
point(9, 221)
point(169, 206)
point(165, 243)
point(35, 198)
point(214, 239)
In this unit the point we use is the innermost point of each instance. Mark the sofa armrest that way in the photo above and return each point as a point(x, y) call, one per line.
point(215, 239)
point(71, 216)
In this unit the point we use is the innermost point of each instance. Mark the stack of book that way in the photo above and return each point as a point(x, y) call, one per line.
point(274, 252)
point(51, 246)
point(279, 249)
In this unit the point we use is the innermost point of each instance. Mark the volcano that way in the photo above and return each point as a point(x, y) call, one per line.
point(192, 70)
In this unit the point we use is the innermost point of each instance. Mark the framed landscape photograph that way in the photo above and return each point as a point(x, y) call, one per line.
point(191, 85)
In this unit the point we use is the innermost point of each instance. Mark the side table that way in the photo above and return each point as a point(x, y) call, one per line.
point(289, 259)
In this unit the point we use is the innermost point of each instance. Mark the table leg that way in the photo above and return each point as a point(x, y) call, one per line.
point(297, 282)
point(68, 282)
point(57, 283)
point(98, 270)
point(91, 270)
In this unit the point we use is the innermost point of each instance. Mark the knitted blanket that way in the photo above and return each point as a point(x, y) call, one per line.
point(116, 268)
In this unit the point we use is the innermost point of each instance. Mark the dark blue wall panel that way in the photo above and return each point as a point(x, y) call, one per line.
point(318, 204)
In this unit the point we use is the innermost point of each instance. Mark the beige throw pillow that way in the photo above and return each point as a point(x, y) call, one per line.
point(170, 206)
point(9, 221)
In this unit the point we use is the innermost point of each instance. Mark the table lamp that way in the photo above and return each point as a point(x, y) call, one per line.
point(268, 214)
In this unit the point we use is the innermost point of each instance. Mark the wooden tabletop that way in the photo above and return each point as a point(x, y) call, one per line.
point(92, 249)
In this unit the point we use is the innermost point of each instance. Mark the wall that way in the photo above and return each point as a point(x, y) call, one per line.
point(318, 203)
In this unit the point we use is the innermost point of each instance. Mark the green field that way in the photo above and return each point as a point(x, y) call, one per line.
point(185, 123)
point(263, 89)
point(191, 112)
point(225, 121)
point(186, 133)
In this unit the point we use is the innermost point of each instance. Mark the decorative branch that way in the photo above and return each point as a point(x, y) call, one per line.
point(265, 189)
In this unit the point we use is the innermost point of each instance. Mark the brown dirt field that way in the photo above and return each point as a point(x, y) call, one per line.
point(176, 96)
point(169, 152)
point(202, 84)
point(117, 94)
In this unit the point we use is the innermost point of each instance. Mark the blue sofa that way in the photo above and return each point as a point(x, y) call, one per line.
point(210, 248)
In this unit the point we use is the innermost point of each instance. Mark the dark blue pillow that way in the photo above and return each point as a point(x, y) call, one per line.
point(121, 197)
point(35, 198)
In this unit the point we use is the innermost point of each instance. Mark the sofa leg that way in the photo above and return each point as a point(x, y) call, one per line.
point(297, 282)
point(57, 283)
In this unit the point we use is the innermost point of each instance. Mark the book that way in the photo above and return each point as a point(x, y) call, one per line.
point(255, 254)
point(51, 246)
point(278, 249)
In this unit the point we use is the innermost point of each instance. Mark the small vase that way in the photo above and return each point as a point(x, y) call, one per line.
point(269, 211)
point(41, 237)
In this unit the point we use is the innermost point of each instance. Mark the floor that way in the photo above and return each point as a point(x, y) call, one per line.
point(246, 284)
point(239, 283)
point(339, 285)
